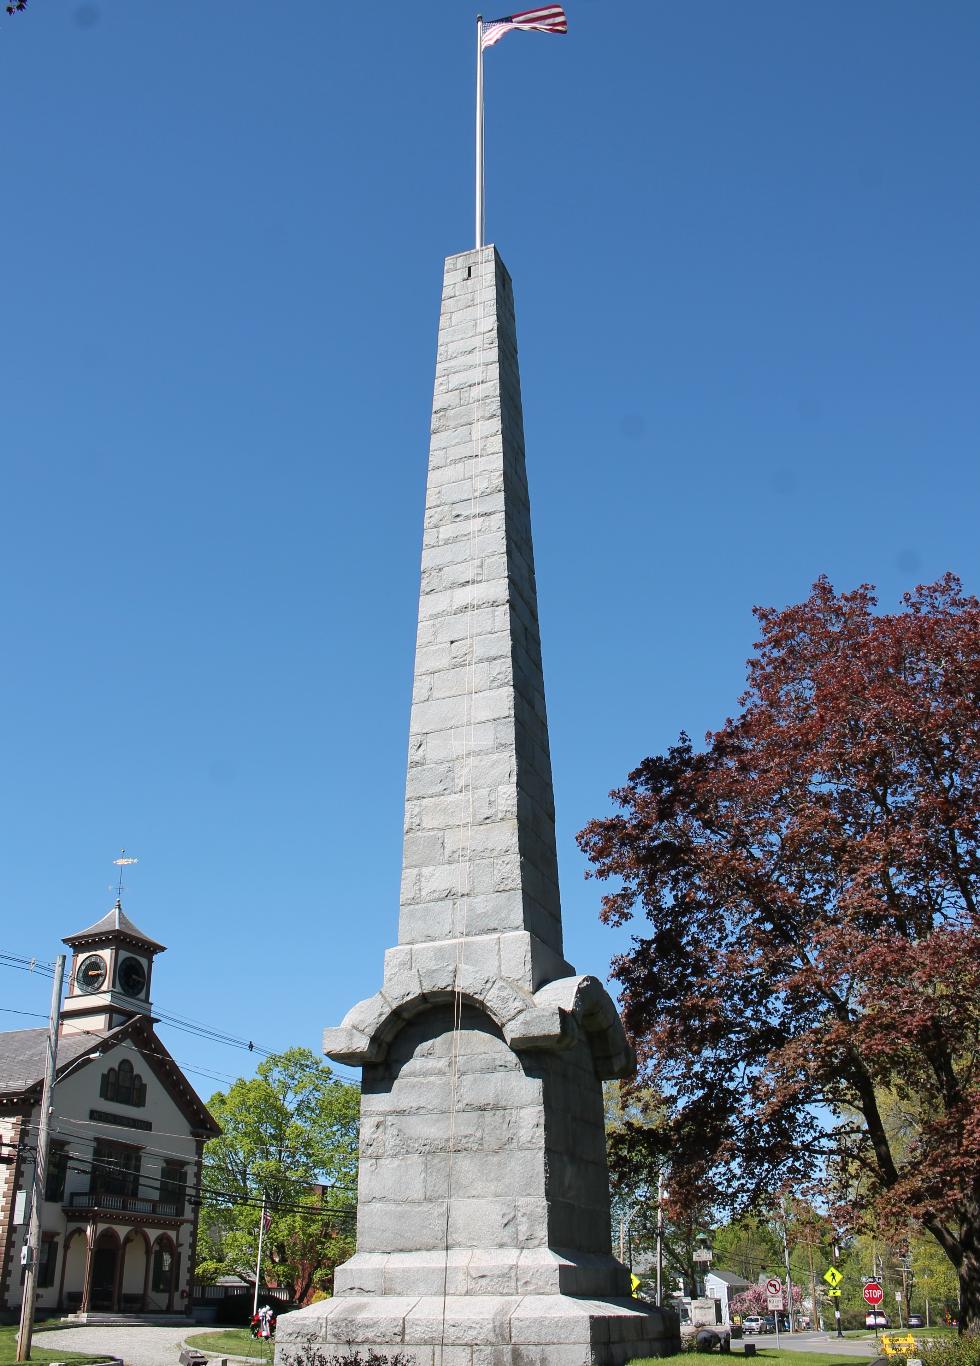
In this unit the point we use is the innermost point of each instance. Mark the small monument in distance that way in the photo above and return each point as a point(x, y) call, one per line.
point(483, 1229)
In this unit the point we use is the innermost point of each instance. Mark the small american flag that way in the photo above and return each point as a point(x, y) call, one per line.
point(549, 19)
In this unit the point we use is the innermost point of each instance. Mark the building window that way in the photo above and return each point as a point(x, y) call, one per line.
point(173, 1186)
point(163, 1265)
point(46, 1263)
point(54, 1177)
point(116, 1169)
point(122, 1085)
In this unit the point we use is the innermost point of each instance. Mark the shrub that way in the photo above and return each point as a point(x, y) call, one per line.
point(961, 1351)
point(315, 1354)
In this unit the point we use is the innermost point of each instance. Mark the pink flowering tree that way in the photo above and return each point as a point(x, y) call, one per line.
point(755, 1300)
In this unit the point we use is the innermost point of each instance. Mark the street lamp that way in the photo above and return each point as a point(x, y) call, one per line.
point(702, 1257)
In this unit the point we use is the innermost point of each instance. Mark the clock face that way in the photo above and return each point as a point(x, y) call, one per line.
point(131, 976)
point(91, 972)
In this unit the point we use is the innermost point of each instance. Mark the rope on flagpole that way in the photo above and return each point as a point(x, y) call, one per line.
point(464, 886)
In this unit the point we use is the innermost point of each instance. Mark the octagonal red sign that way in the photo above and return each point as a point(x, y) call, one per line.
point(873, 1293)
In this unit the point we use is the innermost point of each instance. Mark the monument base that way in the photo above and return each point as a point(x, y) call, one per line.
point(479, 1330)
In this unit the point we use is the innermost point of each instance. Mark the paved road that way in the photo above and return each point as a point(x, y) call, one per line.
point(138, 1346)
point(817, 1342)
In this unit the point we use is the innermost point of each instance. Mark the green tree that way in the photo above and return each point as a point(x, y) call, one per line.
point(289, 1135)
point(747, 1247)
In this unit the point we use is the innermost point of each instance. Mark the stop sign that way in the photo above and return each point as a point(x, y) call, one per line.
point(873, 1293)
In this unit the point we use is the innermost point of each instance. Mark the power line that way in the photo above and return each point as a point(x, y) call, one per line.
point(92, 1141)
point(234, 1198)
point(37, 965)
point(206, 1032)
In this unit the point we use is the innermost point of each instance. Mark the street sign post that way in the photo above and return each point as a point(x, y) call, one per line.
point(873, 1295)
point(774, 1301)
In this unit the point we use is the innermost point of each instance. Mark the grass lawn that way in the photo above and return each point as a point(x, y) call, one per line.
point(235, 1341)
point(8, 1349)
point(763, 1354)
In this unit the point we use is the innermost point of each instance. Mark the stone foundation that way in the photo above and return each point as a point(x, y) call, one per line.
point(482, 1330)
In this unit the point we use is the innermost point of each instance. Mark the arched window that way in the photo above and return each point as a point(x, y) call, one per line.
point(123, 1085)
point(124, 1093)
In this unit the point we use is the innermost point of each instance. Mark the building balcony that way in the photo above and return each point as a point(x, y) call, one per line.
point(105, 1202)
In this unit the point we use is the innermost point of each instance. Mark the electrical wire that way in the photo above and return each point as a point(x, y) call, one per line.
point(83, 1166)
point(236, 1198)
point(156, 1152)
point(181, 1023)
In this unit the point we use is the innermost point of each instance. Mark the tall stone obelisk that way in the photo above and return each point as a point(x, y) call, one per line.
point(483, 1204)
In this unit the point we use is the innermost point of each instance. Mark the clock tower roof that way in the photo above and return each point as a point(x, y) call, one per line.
point(116, 925)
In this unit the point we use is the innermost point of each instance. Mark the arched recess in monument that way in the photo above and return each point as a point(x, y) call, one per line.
point(410, 1122)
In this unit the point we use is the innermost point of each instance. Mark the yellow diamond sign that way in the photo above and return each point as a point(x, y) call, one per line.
point(833, 1277)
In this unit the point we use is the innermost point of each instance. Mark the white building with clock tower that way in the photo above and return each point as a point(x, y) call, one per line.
point(119, 1218)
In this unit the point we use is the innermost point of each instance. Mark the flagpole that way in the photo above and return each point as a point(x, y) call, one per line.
point(258, 1261)
point(479, 131)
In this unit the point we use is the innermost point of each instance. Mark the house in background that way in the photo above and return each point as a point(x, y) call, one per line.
point(118, 1229)
point(723, 1286)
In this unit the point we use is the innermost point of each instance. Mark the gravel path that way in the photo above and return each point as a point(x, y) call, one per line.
point(143, 1345)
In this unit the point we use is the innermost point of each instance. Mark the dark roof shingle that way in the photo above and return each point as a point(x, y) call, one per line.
point(23, 1053)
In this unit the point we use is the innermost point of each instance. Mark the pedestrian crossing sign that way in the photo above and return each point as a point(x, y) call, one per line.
point(833, 1277)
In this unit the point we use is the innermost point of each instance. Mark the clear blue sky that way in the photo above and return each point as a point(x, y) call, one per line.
point(744, 245)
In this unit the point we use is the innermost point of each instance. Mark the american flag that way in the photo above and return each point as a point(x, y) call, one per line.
point(549, 19)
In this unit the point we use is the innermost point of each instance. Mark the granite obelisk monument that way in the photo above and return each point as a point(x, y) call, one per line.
point(483, 1232)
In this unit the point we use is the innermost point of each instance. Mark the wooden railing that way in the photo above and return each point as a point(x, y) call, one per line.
point(127, 1204)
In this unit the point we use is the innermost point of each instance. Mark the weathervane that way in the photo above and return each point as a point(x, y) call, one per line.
point(122, 862)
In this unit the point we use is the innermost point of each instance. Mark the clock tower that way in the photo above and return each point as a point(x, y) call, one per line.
point(110, 974)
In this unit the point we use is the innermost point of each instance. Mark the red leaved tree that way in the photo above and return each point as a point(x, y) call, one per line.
point(806, 995)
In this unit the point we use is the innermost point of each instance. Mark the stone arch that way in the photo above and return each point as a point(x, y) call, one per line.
point(368, 1029)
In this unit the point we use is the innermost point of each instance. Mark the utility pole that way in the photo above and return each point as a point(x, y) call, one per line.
point(789, 1278)
point(33, 1243)
point(840, 1331)
point(814, 1317)
point(660, 1239)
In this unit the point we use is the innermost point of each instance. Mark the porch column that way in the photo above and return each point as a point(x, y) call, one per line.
point(118, 1281)
point(146, 1274)
point(87, 1274)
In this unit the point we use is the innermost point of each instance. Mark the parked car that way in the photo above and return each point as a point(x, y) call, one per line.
point(874, 1318)
point(916, 1321)
point(752, 1325)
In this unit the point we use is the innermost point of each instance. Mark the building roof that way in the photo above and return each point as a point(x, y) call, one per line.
point(115, 924)
point(23, 1053)
point(22, 1060)
point(729, 1278)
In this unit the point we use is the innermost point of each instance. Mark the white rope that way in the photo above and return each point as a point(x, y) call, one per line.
point(465, 783)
